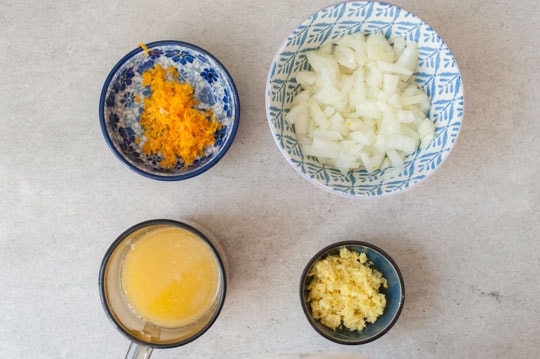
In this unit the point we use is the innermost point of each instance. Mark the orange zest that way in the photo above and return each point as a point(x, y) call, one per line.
point(145, 48)
point(171, 125)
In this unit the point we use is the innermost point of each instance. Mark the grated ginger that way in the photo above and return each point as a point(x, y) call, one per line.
point(171, 125)
point(344, 291)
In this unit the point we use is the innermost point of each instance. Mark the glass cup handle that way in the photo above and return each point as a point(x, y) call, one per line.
point(137, 351)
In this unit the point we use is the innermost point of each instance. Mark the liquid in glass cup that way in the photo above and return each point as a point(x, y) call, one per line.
point(162, 284)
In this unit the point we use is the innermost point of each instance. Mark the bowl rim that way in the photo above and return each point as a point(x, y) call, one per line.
point(298, 168)
point(348, 243)
point(224, 148)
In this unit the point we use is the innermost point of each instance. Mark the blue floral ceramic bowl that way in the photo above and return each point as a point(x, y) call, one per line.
point(437, 73)
point(395, 294)
point(119, 110)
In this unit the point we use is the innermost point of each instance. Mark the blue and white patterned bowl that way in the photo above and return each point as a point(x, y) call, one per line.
point(119, 112)
point(438, 74)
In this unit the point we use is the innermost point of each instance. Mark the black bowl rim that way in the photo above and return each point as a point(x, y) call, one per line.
point(348, 243)
point(105, 261)
point(198, 171)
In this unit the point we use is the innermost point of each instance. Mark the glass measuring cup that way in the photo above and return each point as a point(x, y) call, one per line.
point(144, 334)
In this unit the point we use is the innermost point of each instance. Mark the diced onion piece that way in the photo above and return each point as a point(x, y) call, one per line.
point(409, 57)
point(390, 83)
point(324, 148)
point(327, 134)
point(378, 48)
point(399, 46)
point(345, 56)
point(413, 100)
point(306, 78)
point(359, 106)
point(386, 67)
point(395, 159)
point(368, 109)
point(405, 116)
point(426, 131)
point(401, 142)
point(301, 123)
point(317, 115)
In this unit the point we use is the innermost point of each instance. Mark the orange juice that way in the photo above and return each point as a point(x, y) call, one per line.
point(170, 277)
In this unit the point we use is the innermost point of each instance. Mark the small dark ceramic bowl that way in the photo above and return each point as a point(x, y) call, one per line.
point(395, 294)
point(119, 110)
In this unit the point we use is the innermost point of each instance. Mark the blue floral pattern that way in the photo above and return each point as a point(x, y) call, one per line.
point(125, 79)
point(180, 56)
point(121, 105)
point(227, 103)
point(209, 75)
point(438, 74)
point(155, 53)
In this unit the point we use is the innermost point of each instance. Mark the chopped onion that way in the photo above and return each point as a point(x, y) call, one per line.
point(359, 106)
